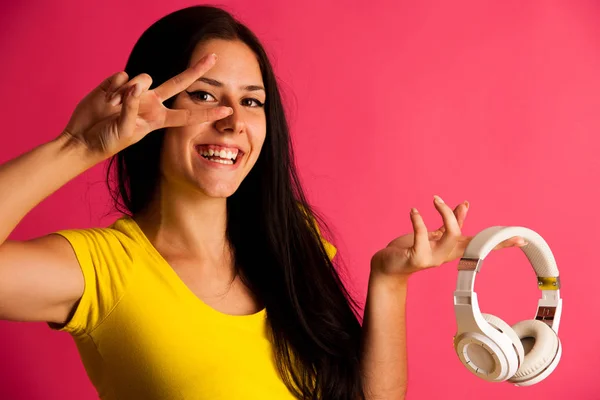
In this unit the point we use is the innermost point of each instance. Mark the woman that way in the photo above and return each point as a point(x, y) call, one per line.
point(215, 283)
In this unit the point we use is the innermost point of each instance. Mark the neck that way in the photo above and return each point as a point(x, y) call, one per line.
point(187, 225)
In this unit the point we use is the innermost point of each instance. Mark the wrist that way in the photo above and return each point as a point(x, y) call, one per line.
point(73, 147)
point(391, 281)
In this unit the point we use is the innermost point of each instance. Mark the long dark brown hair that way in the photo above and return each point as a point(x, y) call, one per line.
point(272, 229)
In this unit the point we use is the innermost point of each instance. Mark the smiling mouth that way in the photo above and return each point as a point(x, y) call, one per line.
point(221, 155)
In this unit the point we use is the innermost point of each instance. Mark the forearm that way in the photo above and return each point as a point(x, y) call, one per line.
point(28, 179)
point(384, 356)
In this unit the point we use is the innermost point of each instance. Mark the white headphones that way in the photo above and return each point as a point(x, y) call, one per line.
point(527, 352)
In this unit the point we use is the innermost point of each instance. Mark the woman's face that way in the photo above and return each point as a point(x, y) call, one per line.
point(215, 157)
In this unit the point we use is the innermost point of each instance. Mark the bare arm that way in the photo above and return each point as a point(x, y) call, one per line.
point(384, 358)
point(40, 279)
point(33, 176)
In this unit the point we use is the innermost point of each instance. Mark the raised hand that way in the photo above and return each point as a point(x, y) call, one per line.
point(120, 112)
point(422, 249)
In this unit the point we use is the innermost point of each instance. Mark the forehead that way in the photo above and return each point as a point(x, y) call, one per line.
point(235, 61)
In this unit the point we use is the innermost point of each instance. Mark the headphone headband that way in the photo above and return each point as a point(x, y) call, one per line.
point(537, 251)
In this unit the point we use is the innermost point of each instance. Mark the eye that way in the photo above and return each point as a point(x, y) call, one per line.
point(252, 103)
point(201, 96)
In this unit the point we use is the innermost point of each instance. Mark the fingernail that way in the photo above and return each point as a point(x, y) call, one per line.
point(224, 111)
point(414, 211)
point(467, 204)
point(116, 99)
point(522, 242)
point(214, 56)
point(438, 199)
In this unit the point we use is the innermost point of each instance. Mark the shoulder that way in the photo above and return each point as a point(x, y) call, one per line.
point(106, 257)
point(116, 239)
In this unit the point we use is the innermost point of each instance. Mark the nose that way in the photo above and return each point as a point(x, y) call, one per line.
point(233, 123)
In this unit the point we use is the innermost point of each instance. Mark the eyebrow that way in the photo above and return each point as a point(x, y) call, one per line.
point(249, 88)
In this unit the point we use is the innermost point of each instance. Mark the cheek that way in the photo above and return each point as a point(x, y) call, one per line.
point(168, 151)
point(259, 133)
point(257, 146)
point(175, 139)
point(175, 149)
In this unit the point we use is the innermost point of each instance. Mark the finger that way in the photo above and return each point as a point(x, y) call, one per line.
point(129, 111)
point(144, 80)
point(456, 212)
point(105, 84)
point(452, 231)
point(460, 211)
point(459, 249)
point(464, 241)
point(515, 241)
point(421, 244)
point(115, 82)
point(185, 117)
point(184, 80)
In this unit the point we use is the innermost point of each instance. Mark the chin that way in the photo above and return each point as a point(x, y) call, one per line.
point(220, 189)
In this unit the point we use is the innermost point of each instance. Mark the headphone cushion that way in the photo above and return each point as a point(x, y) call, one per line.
point(543, 351)
point(503, 327)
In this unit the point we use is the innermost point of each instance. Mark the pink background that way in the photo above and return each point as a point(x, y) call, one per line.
point(390, 102)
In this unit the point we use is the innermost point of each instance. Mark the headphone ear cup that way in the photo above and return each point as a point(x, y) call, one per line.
point(541, 346)
point(503, 327)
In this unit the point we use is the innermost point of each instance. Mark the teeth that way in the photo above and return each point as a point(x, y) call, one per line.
point(228, 156)
point(229, 162)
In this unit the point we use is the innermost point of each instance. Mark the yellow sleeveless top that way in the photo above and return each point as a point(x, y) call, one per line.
point(142, 334)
